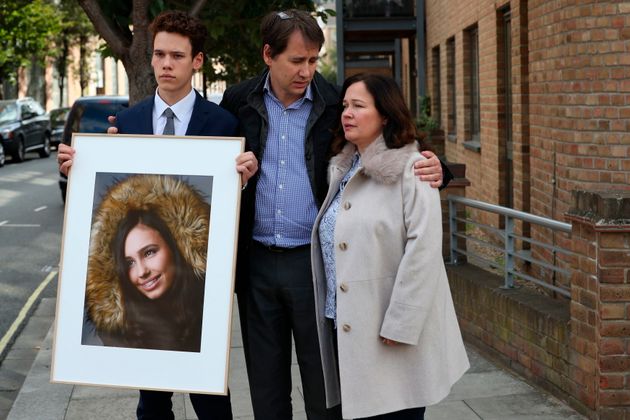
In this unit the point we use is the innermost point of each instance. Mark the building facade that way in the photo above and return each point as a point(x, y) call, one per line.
point(533, 96)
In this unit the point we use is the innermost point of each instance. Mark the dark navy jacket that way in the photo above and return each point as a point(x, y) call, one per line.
point(207, 119)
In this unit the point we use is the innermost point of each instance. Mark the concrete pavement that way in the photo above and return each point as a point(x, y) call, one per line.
point(485, 392)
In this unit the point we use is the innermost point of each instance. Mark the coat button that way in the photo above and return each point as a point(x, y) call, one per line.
point(343, 287)
point(343, 246)
point(346, 327)
point(347, 205)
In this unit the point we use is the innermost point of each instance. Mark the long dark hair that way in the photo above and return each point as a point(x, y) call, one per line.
point(171, 320)
point(390, 103)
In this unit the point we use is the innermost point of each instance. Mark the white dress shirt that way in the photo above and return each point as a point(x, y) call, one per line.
point(182, 110)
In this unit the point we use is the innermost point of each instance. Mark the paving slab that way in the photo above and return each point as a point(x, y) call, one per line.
point(485, 392)
point(451, 410)
point(532, 405)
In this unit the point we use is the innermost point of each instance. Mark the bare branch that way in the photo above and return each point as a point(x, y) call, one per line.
point(114, 38)
point(196, 7)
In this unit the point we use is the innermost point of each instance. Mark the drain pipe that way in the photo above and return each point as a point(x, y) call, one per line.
point(422, 51)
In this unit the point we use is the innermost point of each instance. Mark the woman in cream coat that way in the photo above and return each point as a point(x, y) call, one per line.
point(389, 337)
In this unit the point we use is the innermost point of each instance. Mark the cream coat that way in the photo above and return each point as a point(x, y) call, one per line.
point(391, 282)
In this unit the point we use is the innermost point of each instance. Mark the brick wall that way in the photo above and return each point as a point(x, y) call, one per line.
point(578, 349)
point(600, 305)
point(571, 97)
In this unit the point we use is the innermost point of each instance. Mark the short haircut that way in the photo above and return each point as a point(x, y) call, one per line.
point(178, 22)
point(277, 27)
point(400, 128)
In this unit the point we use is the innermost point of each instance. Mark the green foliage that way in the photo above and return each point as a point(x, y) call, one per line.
point(26, 31)
point(233, 44)
point(328, 65)
point(234, 34)
point(425, 122)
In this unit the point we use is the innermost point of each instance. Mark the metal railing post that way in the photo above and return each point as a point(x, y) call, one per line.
point(452, 223)
point(509, 252)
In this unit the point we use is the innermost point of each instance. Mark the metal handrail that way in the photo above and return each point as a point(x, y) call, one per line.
point(509, 237)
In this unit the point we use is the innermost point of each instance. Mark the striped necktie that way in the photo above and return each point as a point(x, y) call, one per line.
point(169, 128)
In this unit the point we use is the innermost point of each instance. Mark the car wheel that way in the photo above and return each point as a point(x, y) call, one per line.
point(18, 156)
point(2, 157)
point(45, 151)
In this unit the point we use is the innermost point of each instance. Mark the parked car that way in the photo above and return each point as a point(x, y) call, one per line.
point(57, 121)
point(24, 127)
point(89, 115)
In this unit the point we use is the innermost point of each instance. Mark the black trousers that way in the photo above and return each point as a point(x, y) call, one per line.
point(280, 303)
point(409, 414)
point(157, 405)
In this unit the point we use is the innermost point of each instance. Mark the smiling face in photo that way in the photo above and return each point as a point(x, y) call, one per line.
point(150, 262)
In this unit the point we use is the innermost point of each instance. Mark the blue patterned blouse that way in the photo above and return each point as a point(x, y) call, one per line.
point(327, 241)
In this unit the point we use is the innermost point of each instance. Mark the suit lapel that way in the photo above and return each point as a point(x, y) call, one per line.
point(198, 117)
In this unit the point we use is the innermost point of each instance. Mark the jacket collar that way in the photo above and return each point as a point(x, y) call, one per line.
point(198, 117)
point(378, 162)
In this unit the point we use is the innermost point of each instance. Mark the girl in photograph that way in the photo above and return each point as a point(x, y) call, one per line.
point(146, 268)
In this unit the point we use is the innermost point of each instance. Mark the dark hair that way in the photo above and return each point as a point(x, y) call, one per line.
point(400, 128)
point(178, 311)
point(277, 27)
point(177, 22)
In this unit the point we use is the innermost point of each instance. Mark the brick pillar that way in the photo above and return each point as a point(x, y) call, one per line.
point(456, 187)
point(600, 303)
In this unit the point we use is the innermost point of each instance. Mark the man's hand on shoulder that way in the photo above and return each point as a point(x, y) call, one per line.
point(429, 169)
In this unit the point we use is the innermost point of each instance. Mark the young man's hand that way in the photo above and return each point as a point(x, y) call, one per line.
point(65, 154)
point(113, 129)
point(429, 170)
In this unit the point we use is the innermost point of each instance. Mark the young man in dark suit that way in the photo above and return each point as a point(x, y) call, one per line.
point(177, 109)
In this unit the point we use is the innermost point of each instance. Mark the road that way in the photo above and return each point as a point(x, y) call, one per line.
point(31, 222)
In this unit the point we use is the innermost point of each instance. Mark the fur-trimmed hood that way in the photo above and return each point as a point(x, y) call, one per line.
point(380, 163)
point(182, 208)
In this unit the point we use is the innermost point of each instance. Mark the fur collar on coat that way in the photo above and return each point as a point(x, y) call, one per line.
point(182, 208)
point(378, 162)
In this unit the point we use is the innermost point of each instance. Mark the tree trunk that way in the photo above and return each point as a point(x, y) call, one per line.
point(140, 75)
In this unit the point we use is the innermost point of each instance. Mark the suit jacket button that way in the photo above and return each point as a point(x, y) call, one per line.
point(347, 205)
point(346, 327)
point(343, 287)
point(343, 246)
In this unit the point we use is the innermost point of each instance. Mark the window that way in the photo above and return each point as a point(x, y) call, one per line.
point(451, 90)
point(475, 120)
point(505, 72)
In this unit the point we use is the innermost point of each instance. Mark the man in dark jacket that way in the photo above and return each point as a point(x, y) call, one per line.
point(286, 115)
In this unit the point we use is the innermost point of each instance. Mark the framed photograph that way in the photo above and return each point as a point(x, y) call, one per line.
point(146, 277)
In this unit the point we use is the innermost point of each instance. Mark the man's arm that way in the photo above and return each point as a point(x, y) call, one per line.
point(432, 170)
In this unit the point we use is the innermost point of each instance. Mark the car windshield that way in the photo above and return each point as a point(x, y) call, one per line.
point(8, 112)
point(93, 117)
point(58, 117)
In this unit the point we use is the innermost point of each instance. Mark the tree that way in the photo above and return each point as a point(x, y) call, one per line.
point(232, 24)
point(26, 28)
point(76, 29)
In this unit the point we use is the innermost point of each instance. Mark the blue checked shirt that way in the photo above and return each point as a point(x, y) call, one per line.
point(285, 206)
